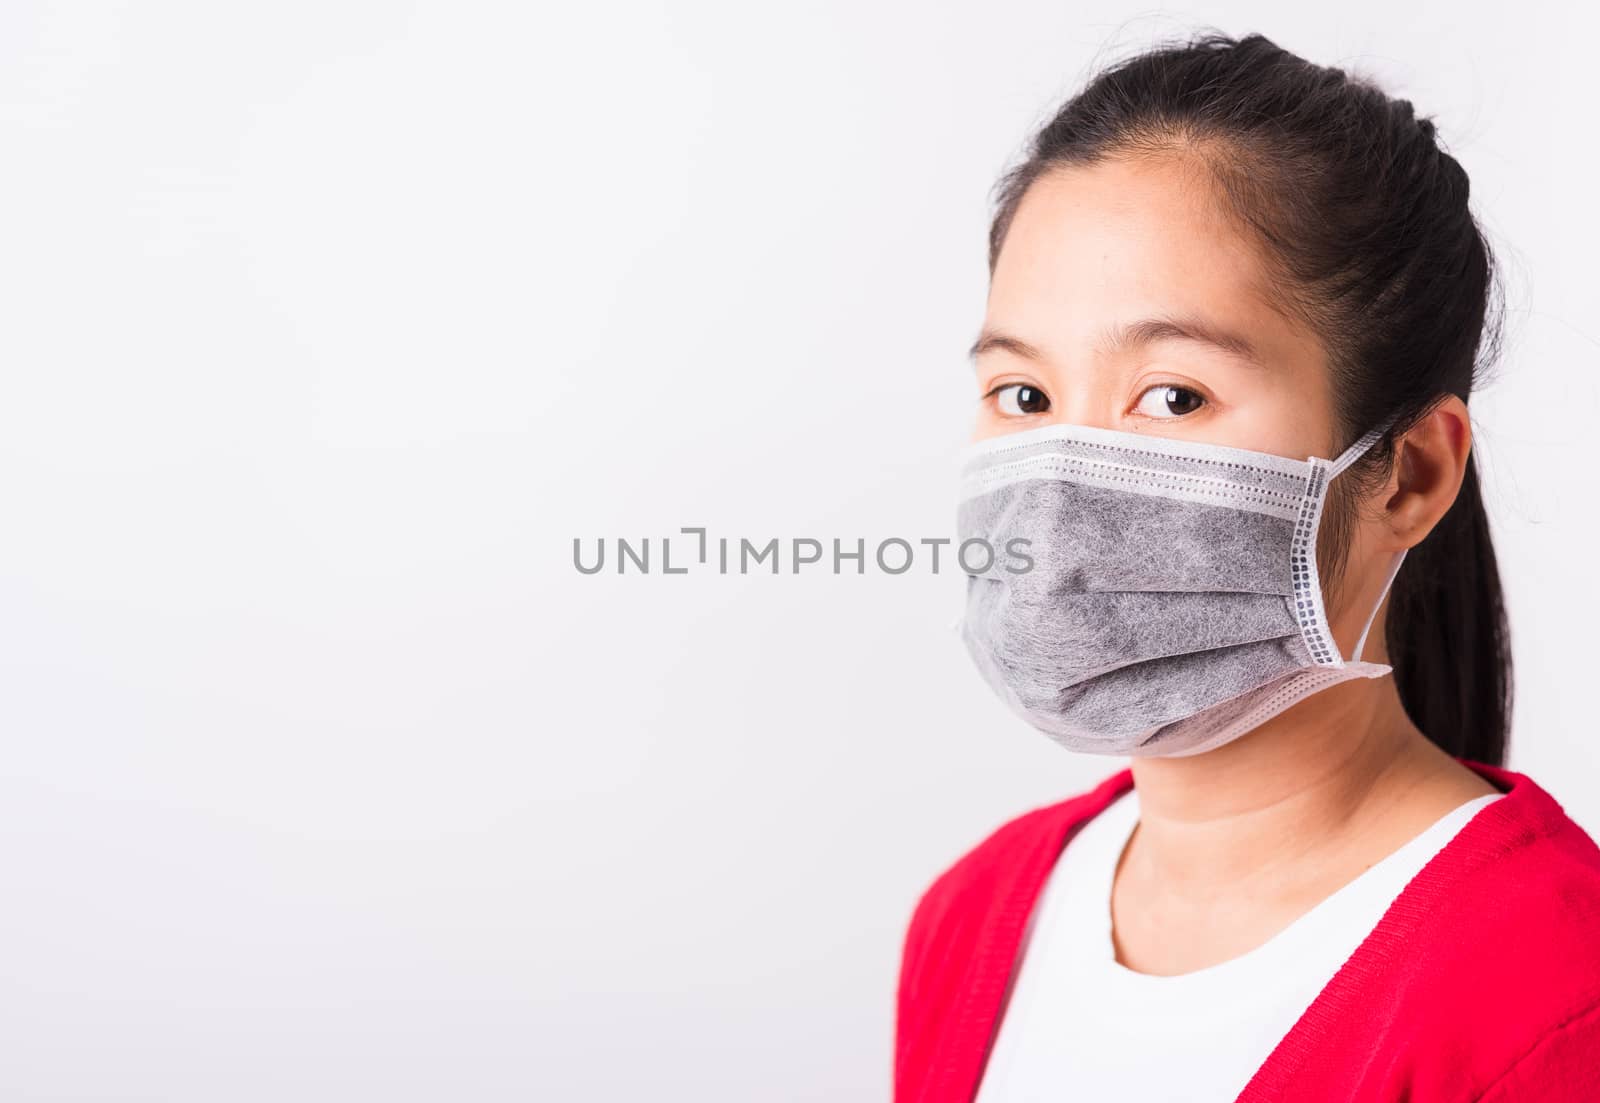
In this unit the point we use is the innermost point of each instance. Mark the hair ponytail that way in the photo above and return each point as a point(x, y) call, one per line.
point(1447, 633)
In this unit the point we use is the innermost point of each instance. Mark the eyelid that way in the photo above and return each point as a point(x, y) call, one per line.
point(1158, 378)
point(1179, 383)
point(998, 387)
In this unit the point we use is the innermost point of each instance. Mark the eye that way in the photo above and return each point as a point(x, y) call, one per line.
point(1020, 399)
point(1168, 400)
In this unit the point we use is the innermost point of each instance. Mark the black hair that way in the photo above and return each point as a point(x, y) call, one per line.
point(1365, 219)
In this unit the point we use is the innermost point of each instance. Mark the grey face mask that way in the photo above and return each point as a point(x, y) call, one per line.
point(1172, 603)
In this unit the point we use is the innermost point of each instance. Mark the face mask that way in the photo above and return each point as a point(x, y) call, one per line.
point(1172, 603)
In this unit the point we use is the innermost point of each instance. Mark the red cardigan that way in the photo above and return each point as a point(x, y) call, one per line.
point(1480, 983)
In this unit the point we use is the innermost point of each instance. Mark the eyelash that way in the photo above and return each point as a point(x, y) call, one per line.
point(1196, 391)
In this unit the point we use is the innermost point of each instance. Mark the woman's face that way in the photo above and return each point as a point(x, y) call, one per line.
point(1124, 298)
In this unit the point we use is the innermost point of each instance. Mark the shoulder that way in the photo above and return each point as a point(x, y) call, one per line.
point(960, 938)
point(999, 858)
point(1534, 914)
point(1008, 863)
point(1501, 963)
point(1529, 885)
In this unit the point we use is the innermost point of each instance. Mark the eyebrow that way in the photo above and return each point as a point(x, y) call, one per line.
point(1132, 335)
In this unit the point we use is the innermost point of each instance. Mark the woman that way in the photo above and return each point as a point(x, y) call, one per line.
point(1317, 881)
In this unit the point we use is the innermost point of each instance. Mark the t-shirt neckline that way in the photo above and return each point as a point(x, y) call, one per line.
point(1319, 920)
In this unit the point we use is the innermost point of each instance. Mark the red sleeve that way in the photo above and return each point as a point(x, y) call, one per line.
point(1564, 1067)
point(909, 1005)
point(900, 1003)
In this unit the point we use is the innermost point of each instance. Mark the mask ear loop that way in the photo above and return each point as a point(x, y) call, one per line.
point(1346, 458)
point(1394, 569)
point(1358, 449)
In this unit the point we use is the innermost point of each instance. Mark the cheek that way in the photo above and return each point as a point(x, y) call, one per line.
point(983, 428)
point(1335, 535)
point(989, 422)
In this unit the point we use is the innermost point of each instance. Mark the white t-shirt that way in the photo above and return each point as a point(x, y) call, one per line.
point(1079, 1023)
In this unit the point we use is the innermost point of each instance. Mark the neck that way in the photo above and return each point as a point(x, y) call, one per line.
point(1345, 770)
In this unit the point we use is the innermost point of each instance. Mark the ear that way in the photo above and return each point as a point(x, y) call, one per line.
point(1431, 463)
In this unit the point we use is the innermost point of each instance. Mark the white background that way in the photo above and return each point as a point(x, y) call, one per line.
point(326, 327)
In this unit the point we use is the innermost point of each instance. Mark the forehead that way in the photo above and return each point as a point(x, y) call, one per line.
point(1089, 244)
